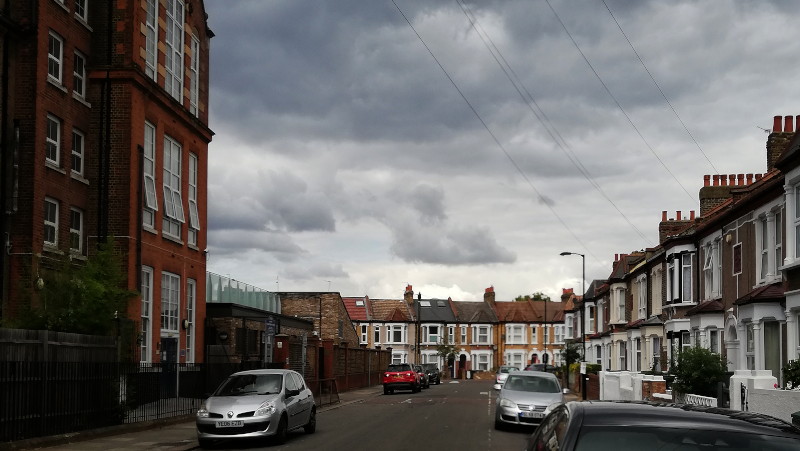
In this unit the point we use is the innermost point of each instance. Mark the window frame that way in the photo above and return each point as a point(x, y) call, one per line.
point(515, 334)
point(170, 301)
point(173, 49)
point(81, 10)
point(151, 39)
point(78, 152)
point(76, 233)
point(149, 175)
point(146, 314)
point(51, 221)
point(641, 282)
point(191, 306)
point(194, 76)
point(173, 218)
point(194, 214)
point(79, 75)
point(53, 144)
point(55, 62)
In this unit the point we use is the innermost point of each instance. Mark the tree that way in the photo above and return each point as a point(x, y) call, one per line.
point(698, 371)
point(80, 297)
point(538, 296)
point(571, 353)
point(446, 350)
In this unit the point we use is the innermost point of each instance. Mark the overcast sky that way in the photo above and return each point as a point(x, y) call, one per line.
point(354, 153)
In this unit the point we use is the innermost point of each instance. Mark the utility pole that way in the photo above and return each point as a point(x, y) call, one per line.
point(417, 353)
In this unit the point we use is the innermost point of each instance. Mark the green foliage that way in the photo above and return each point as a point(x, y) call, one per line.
point(538, 296)
point(698, 371)
point(591, 368)
point(572, 353)
point(445, 349)
point(791, 375)
point(79, 297)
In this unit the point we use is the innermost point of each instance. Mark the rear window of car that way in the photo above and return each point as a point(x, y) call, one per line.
point(619, 438)
point(399, 367)
point(535, 384)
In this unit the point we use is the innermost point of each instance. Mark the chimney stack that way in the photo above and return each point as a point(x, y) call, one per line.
point(778, 140)
point(488, 296)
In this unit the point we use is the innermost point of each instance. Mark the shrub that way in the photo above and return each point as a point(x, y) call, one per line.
point(791, 375)
point(698, 371)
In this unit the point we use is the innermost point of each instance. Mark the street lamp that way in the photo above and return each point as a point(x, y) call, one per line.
point(583, 294)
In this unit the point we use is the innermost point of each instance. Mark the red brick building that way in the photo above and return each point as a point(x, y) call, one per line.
point(105, 134)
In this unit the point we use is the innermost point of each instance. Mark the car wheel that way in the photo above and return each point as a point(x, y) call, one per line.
point(311, 426)
point(499, 425)
point(415, 389)
point(204, 442)
point(386, 390)
point(280, 434)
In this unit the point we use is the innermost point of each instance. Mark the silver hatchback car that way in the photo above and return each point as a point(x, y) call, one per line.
point(526, 398)
point(257, 403)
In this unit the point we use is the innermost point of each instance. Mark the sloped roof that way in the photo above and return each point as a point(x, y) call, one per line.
point(355, 311)
point(766, 293)
point(390, 310)
point(475, 312)
point(434, 311)
point(712, 306)
point(515, 312)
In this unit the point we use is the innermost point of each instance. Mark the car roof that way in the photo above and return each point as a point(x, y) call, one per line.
point(534, 373)
point(642, 413)
point(263, 371)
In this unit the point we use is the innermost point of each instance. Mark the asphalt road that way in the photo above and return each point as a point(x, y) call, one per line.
point(453, 415)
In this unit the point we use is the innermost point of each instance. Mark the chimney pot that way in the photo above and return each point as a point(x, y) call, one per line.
point(706, 180)
point(758, 177)
point(664, 216)
point(716, 179)
point(776, 124)
point(788, 124)
point(749, 179)
point(723, 180)
point(678, 215)
point(740, 179)
point(691, 215)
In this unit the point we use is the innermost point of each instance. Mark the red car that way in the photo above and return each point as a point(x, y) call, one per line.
point(400, 376)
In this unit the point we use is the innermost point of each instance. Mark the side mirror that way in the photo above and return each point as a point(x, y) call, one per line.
point(565, 391)
point(498, 387)
point(290, 393)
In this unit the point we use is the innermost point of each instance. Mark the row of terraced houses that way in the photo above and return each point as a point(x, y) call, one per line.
point(725, 279)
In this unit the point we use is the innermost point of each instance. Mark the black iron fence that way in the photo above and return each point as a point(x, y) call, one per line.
point(39, 399)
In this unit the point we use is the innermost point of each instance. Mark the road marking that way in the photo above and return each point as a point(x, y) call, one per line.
point(407, 401)
point(484, 392)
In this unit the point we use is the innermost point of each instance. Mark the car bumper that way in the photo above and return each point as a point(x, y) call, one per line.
point(251, 427)
point(396, 385)
point(510, 415)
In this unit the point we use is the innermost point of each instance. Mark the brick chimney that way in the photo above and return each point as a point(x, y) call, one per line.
point(408, 296)
point(566, 293)
point(717, 189)
point(669, 227)
point(488, 296)
point(778, 140)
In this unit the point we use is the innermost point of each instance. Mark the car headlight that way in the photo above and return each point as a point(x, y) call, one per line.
point(265, 409)
point(202, 412)
point(507, 403)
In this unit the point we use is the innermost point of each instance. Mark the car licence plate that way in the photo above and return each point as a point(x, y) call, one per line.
point(531, 415)
point(230, 424)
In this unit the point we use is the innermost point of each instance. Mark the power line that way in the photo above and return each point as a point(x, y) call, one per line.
point(608, 91)
point(528, 98)
point(542, 199)
point(659, 89)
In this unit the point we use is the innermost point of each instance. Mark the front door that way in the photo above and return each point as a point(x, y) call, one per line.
point(772, 348)
point(169, 370)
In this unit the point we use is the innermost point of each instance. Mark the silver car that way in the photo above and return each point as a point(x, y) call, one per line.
point(502, 373)
point(257, 403)
point(526, 397)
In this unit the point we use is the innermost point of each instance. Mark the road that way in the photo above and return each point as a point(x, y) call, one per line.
point(453, 415)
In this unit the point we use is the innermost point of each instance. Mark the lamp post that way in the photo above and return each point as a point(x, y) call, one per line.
point(583, 293)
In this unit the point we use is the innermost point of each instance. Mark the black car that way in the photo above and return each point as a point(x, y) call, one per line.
point(434, 376)
point(423, 376)
point(633, 426)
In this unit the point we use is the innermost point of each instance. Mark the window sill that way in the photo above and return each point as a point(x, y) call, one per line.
point(52, 249)
point(81, 99)
point(77, 255)
point(174, 239)
point(61, 4)
point(79, 178)
point(54, 166)
point(56, 84)
point(149, 229)
point(83, 22)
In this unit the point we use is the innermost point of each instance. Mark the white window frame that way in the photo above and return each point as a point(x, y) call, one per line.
point(81, 11)
point(170, 301)
point(191, 305)
point(393, 329)
point(515, 359)
point(559, 334)
point(364, 333)
point(641, 295)
point(79, 75)
point(51, 207)
point(463, 335)
point(78, 145)
point(150, 195)
point(146, 314)
point(568, 320)
point(52, 153)
point(428, 337)
point(377, 334)
point(591, 320)
point(777, 244)
point(619, 303)
point(194, 215)
point(515, 334)
point(750, 346)
point(482, 334)
point(194, 77)
point(534, 334)
point(451, 335)
point(173, 49)
point(713, 339)
point(481, 360)
point(173, 203)
point(76, 230)
point(687, 293)
point(151, 40)
point(622, 355)
point(55, 58)
point(763, 246)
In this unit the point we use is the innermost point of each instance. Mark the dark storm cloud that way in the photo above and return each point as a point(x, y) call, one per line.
point(233, 242)
point(457, 246)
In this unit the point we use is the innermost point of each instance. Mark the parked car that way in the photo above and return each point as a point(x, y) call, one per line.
point(424, 382)
point(400, 376)
point(628, 426)
point(257, 403)
point(502, 373)
point(526, 398)
point(540, 367)
point(434, 375)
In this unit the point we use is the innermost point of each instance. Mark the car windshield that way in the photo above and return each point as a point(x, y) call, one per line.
point(399, 367)
point(248, 384)
point(531, 384)
point(507, 369)
point(627, 438)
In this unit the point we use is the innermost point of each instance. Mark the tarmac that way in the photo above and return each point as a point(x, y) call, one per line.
point(174, 434)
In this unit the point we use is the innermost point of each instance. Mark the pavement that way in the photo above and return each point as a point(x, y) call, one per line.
point(174, 434)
